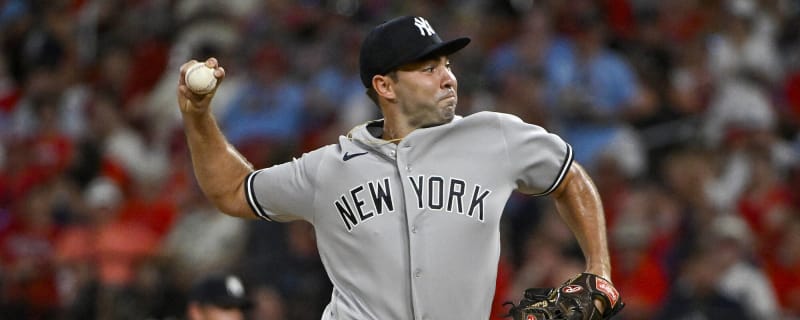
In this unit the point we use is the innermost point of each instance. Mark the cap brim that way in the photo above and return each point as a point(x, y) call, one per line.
point(445, 48)
point(239, 303)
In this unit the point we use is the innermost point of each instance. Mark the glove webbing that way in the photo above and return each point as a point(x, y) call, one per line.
point(599, 288)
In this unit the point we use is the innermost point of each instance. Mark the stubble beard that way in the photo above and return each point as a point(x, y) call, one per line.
point(449, 111)
point(441, 112)
point(449, 108)
point(445, 114)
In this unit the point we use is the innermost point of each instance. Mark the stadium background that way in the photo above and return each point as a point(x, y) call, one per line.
point(686, 113)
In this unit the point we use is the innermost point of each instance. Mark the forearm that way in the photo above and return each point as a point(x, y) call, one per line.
point(579, 205)
point(220, 169)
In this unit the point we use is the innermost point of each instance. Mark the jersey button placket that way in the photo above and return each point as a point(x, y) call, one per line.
point(404, 170)
point(405, 147)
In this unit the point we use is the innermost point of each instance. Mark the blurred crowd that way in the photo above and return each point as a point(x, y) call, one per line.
point(685, 113)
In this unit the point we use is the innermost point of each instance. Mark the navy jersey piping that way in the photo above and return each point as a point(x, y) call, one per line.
point(563, 172)
point(250, 195)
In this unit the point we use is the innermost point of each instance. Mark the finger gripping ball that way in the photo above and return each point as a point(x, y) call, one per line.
point(200, 79)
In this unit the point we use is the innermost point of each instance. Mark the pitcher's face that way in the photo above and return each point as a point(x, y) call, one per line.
point(426, 92)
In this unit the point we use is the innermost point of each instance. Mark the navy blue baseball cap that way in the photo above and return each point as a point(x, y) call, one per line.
point(221, 290)
point(399, 41)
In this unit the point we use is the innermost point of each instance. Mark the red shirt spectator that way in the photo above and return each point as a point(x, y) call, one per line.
point(782, 268)
point(26, 251)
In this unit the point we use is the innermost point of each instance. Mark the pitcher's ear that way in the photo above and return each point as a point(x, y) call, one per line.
point(384, 86)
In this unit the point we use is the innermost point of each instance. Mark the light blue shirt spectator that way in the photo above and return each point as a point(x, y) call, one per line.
point(258, 112)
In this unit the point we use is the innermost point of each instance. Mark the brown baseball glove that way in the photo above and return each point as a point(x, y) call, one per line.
point(573, 300)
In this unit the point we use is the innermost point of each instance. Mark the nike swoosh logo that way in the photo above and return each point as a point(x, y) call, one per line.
point(348, 156)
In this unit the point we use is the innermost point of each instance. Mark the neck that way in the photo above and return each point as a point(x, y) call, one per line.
point(394, 131)
point(395, 127)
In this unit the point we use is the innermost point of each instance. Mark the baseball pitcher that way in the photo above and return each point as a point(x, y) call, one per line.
point(407, 208)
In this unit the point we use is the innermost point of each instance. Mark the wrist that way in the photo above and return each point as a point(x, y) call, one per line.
point(603, 272)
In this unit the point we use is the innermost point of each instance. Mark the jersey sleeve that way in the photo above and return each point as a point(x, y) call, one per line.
point(539, 160)
point(284, 192)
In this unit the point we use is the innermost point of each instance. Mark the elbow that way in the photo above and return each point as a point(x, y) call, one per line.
point(232, 203)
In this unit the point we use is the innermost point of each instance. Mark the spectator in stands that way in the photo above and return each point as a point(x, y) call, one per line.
point(782, 266)
point(269, 106)
point(28, 287)
point(192, 254)
point(695, 295)
point(218, 297)
point(741, 277)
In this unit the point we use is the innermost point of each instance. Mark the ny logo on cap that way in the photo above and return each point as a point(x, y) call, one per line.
point(424, 27)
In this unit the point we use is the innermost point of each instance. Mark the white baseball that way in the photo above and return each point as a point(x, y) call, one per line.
point(200, 78)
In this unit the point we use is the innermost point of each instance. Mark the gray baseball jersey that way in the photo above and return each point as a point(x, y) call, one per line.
point(412, 230)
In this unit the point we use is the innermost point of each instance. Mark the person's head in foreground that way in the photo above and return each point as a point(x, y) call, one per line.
point(217, 297)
